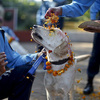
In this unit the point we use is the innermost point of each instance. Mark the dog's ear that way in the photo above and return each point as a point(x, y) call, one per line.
point(62, 49)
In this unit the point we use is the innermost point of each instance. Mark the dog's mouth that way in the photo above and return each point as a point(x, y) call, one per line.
point(36, 35)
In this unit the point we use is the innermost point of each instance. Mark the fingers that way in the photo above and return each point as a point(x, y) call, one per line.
point(3, 64)
point(2, 57)
point(56, 10)
point(98, 21)
point(92, 29)
point(43, 51)
point(2, 60)
point(48, 13)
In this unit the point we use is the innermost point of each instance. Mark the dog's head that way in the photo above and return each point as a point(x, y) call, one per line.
point(51, 39)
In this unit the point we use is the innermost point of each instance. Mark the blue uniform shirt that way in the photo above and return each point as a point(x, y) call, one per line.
point(94, 9)
point(77, 8)
point(10, 32)
point(15, 59)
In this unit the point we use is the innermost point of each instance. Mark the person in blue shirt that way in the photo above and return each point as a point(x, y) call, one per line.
point(13, 69)
point(75, 9)
point(94, 62)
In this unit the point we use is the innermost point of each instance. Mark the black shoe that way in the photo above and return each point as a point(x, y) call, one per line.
point(88, 89)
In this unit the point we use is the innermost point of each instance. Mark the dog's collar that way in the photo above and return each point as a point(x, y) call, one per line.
point(59, 62)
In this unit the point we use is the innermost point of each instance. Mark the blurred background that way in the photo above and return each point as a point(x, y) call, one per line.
point(21, 14)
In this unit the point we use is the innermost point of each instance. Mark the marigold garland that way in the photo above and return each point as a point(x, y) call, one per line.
point(59, 72)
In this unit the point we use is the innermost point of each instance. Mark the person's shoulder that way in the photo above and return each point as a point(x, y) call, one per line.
point(5, 28)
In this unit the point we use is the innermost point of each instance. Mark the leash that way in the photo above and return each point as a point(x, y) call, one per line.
point(37, 63)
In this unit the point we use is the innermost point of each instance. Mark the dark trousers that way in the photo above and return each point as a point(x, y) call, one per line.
point(94, 62)
point(15, 86)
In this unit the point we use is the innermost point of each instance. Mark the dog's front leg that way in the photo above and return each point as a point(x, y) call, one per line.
point(71, 93)
point(50, 96)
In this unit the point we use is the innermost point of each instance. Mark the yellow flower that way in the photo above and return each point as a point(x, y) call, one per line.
point(78, 81)
point(79, 70)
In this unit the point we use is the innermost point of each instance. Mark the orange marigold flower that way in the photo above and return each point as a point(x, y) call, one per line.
point(93, 94)
point(79, 70)
point(32, 91)
point(83, 97)
point(30, 27)
point(46, 57)
point(50, 71)
point(78, 81)
point(65, 33)
point(48, 63)
point(66, 65)
point(62, 71)
point(58, 72)
point(65, 68)
point(50, 51)
point(54, 73)
point(70, 62)
point(48, 67)
point(27, 77)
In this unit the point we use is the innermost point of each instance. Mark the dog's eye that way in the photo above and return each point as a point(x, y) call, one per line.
point(51, 30)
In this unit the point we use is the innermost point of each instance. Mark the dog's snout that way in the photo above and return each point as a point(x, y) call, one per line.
point(35, 26)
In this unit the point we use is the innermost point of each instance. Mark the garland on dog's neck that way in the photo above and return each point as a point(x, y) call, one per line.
point(59, 72)
point(59, 62)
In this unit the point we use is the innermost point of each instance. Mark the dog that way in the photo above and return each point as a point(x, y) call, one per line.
point(57, 86)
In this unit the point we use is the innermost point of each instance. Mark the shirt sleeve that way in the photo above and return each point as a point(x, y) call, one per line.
point(94, 9)
point(76, 8)
point(10, 32)
point(15, 59)
point(59, 1)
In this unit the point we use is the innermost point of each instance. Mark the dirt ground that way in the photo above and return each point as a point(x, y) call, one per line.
point(38, 90)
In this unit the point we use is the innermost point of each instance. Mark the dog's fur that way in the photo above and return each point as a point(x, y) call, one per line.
point(57, 87)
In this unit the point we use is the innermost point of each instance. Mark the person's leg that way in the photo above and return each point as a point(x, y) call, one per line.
point(17, 87)
point(5, 85)
point(94, 62)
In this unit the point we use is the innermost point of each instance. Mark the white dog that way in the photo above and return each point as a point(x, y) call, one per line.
point(57, 85)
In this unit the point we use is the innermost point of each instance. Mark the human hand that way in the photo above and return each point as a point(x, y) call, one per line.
point(93, 28)
point(2, 63)
point(43, 51)
point(56, 10)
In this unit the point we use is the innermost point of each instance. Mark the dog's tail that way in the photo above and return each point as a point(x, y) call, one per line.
point(82, 57)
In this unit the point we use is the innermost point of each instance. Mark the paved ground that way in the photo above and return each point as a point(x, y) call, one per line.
point(79, 48)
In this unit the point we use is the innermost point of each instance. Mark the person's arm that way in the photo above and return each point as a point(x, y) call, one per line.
point(94, 9)
point(14, 59)
point(75, 9)
point(10, 32)
point(59, 1)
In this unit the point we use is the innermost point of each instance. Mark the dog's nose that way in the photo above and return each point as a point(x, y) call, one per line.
point(35, 26)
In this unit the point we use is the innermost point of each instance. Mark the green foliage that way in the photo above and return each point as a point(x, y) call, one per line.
point(26, 12)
